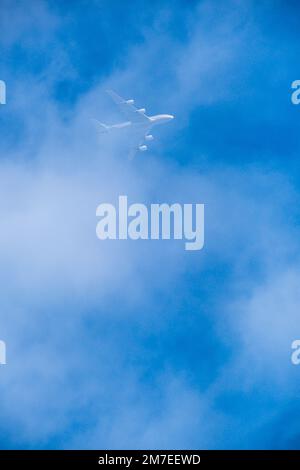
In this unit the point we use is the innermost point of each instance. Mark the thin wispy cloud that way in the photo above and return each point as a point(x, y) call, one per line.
point(116, 344)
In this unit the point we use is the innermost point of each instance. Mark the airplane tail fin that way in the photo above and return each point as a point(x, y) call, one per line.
point(102, 128)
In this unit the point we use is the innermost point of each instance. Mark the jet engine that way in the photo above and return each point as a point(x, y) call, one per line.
point(149, 137)
point(142, 110)
point(143, 148)
point(130, 101)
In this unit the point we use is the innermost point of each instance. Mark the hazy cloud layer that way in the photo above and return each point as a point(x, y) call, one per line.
point(141, 344)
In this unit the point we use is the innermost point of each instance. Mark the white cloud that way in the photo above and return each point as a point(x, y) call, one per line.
point(54, 271)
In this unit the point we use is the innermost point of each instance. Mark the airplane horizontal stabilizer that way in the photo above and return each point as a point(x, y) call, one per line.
point(102, 128)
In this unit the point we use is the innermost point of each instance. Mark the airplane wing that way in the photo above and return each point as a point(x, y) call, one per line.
point(127, 107)
point(138, 142)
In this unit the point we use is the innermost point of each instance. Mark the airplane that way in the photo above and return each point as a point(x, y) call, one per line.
point(137, 120)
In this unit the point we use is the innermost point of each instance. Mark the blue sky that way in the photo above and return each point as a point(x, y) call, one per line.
point(142, 344)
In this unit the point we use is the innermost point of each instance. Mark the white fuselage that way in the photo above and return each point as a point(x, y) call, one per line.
point(161, 118)
point(153, 121)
